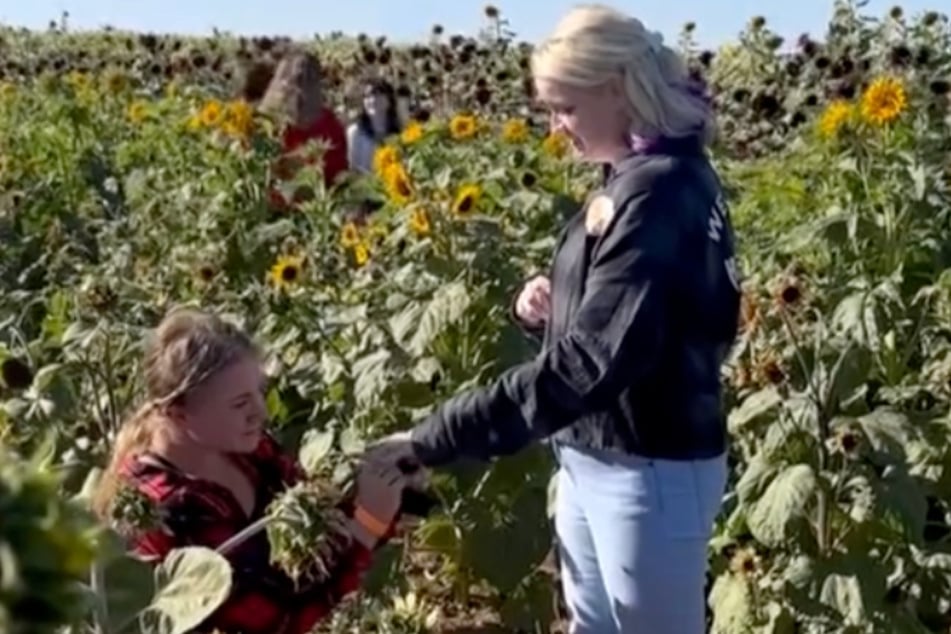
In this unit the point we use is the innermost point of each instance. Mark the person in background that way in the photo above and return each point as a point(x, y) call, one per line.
point(295, 96)
point(255, 79)
point(379, 118)
point(199, 452)
point(636, 316)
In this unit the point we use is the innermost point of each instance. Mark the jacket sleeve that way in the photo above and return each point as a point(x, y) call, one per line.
point(614, 340)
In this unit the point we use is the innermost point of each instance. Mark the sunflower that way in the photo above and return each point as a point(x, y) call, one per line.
point(463, 126)
point(745, 562)
point(78, 80)
point(836, 115)
point(286, 272)
point(466, 200)
point(138, 111)
point(238, 119)
point(383, 157)
point(361, 254)
point(349, 235)
point(883, 101)
point(205, 273)
point(419, 222)
point(399, 188)
point(211, 113)
point(116, 81)
point(515, 131)
point(556, 145)
point(412, 133)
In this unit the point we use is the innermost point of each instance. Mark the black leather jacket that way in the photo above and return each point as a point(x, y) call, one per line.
point(642, 318)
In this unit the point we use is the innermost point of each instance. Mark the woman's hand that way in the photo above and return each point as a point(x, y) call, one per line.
point(533, 306)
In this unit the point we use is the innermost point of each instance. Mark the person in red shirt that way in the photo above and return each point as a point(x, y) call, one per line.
point(295, 96)
point(199, 453)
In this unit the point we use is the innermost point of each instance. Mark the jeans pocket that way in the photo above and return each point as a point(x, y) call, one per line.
point(682, 515)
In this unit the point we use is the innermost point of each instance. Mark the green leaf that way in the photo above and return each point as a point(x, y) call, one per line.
point(844, 594)
point(755, 407)
point(404, 323)
point(504, 548)
point(371, 377)
point(530, 606)
point(440, 534)
point(191, 583)
point(413, 394)
point(315, 446)
point(774, 518)
point(448, 305)
point(888, 432)
point(901, 497)
point(351, 443)
point(128, 587)
point(755, 478)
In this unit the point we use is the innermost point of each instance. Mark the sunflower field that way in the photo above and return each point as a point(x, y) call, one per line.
point(133, 180)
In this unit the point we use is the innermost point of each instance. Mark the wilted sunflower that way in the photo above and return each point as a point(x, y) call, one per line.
point(515, 131)
point(212, 113)
point(399, 188)
point(419, 222)
point(463, 126)
point(836, 115)
point(769, 371)
point(205, 272)
point(789, 292)
point(383, 157)
point(847, 440)
point(745, 562)
point(883, 101)
point(287, 271)
point(412, 133)
point(466, 200)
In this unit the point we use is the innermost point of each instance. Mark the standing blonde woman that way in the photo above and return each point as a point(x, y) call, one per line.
point(295, 97)
point(637, 314)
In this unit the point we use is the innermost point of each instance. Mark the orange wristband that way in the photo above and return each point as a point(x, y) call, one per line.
point(377, 528)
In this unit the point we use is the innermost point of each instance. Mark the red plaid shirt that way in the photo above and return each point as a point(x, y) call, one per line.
point(197, 512)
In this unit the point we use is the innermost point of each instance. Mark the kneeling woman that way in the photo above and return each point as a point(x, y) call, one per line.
point(198, 450)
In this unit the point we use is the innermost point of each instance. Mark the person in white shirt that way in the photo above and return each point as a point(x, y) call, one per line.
point(378, 119)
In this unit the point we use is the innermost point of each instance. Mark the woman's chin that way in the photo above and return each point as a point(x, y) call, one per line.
point(248, 442)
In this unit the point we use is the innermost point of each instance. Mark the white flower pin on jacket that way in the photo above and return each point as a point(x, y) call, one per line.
point(598, 215)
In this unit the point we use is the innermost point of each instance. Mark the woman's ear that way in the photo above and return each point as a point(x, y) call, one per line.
point(175, 412)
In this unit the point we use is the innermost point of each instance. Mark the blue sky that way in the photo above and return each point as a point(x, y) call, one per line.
point(405, 20)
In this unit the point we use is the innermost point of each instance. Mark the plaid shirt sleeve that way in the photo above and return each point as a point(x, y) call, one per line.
point(263, 599)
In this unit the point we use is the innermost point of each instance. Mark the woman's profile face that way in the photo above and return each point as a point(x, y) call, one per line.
point(227, 412)
point(594, 119)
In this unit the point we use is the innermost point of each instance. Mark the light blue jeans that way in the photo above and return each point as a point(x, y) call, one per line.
point(633, 536)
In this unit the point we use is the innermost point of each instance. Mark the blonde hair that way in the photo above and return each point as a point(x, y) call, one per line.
point(187, 348)
point(295, 93)
point(594, 42)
